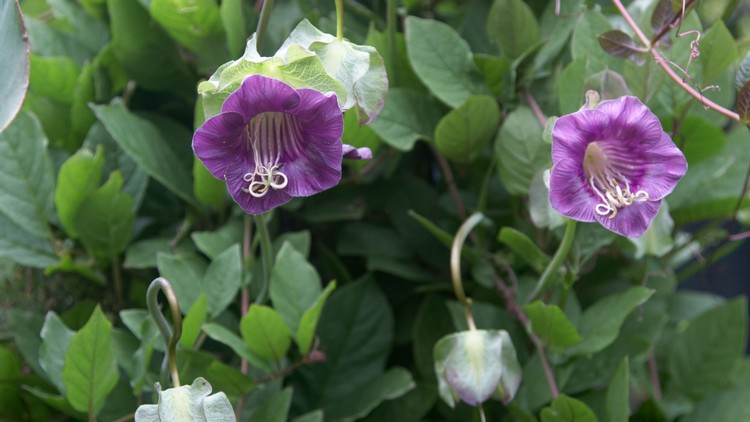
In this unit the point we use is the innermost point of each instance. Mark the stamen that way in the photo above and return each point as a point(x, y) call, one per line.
point(607, 183)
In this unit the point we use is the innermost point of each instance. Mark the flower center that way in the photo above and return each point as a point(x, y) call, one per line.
point(268, 135)
point(612, 187)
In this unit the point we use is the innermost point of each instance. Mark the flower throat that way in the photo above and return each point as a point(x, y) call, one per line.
point(268, 135)
point(612, 187)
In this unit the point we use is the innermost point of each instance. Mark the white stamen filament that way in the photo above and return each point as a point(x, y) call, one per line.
point(267, 134)
point(607, 181)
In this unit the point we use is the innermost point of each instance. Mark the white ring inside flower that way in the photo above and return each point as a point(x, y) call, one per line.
point(268, 135)
point(612, 187)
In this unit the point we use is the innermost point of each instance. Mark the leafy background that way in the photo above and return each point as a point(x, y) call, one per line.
point(100, 193)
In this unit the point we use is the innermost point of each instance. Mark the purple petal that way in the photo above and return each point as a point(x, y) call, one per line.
point(259, 94)
point(247, 202)
point(353, 153)
point(631, 221)
point(574, 132)
point(669, 166)
point(630, 120)
point(570, 195)
point(218, 142)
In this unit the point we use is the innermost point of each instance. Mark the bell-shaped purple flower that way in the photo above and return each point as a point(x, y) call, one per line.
point(272, 143)
point(613, 164)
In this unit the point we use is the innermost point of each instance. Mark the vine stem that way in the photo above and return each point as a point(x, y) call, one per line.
point(266, 251)
point(562, 252)
point(458, 243)
point(665, 66)
point(340, 20)
point(247, 234)
point(170, 336)
point(265, 16)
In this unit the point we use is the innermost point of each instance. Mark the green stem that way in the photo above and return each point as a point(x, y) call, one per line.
point(260, 31)
point(550, 272)
point(458, 243)
point(266, 251)
point(171, 337)
point(392, 54)
point(340, 20)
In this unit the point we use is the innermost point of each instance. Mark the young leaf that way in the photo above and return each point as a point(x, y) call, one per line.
point(520, 150)
point(55, 339)
point(79, 176)
point(309, 321)
point(524, 247)
point(214, 243)
point(619, 44)
point(194, 319)
point(265, 333)
point(104, 220)
point(90, 371)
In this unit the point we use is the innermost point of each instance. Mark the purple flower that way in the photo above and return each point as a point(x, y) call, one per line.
point(613, 164)
point(272, 143)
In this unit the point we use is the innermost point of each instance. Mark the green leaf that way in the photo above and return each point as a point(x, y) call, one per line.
point(619, 44)
point(465, 131)
point(227, 337)
point(567, 409)
point(618, 394)
point(718, 180)
point(165, 160)
point(214, 243)
point(309, 321)
point(442, 60)
point(25, 327)
point(722, 406)
point(208, 190)
point(295, 286)
point(718, 52)
point(702, 357)
point(513, 27)
point(300, 241)
point(150, 58)
point(551, 325)
point(570, 91)
point(699, 139)
point(274, 408)
point(520, 150)
point(143, 253)
point(27, 183)
point(86, 29)
point(79, 176)
point(23, 248)
point(55, 339)
point(222, 279)
point(104, 220)
point(185, 272)
point(188, 402)
point(407, 117)
point(524, 247)
point(53, 77)
point(233, 20)
point(265, 333)
point(390, 385)
point(584, 43)
point(600, 323)
point(196, 25)
point(356, 333)
point(14, 54)
point(90, 371)
point(194, 319)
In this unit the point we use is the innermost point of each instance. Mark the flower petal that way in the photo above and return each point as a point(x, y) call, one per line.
point(570, 195)
point(218, 142)
point(574, 132)
point(317, 168)
point(249, 203)
point(319, 114)
point(669, 165)
point(631, 221)
point(630, 120)
point(259, 94)
point(353, 153)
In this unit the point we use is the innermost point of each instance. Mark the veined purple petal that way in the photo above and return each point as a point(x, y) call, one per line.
point(353, 153)
point(272, 143)
point(613, 164)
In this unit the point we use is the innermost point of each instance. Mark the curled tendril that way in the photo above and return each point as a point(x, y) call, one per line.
point(171, 337)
